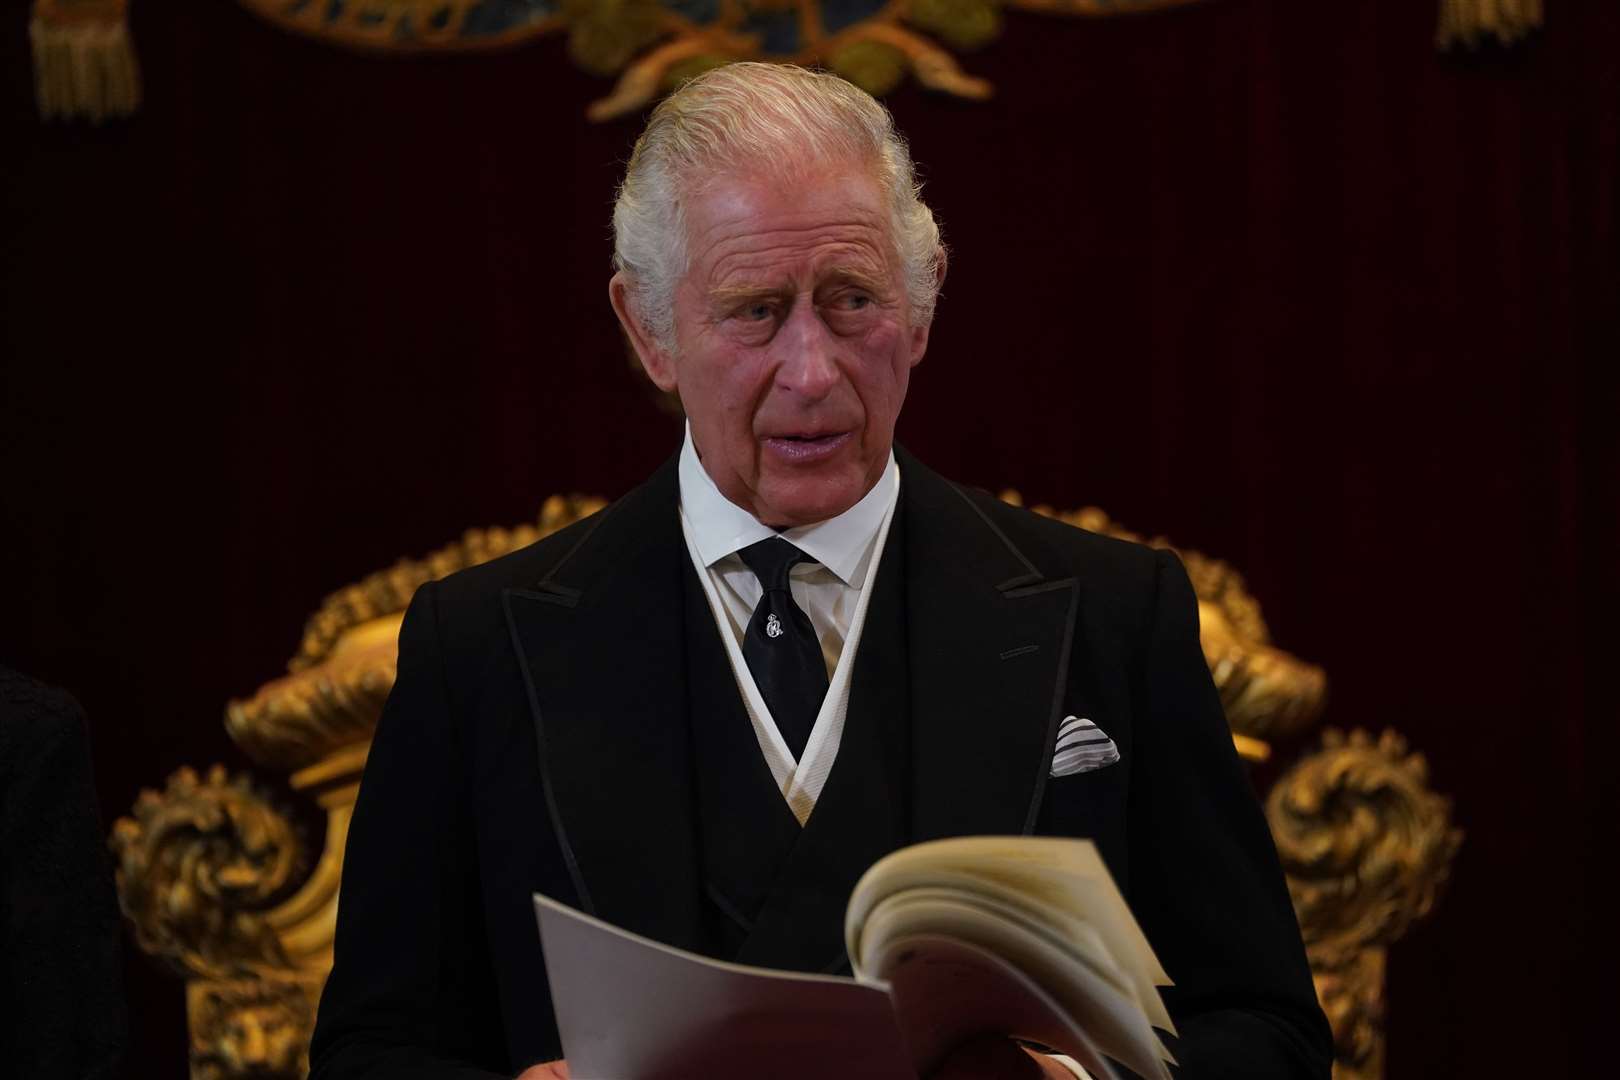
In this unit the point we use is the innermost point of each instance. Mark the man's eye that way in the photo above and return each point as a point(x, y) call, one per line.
point(756, 312)
point(856, 301)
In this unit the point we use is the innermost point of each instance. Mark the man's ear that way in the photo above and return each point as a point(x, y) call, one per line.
point(919, 334)
point(655, 359)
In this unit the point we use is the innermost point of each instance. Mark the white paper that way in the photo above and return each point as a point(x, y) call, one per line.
point(630, 1008)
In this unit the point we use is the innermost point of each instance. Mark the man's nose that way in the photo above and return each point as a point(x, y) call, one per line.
point(809, 362)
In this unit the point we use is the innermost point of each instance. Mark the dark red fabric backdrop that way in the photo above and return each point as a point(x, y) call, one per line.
point(1272, 278)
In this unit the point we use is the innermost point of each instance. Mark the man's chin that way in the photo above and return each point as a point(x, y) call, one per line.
point(801, 485)
point(793, 505)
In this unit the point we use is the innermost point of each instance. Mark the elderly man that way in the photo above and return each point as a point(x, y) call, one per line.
point(703, 712)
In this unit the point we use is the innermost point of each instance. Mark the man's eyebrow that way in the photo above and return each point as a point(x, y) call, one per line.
point(731, 295)
point(726, 295)
point(854, 275)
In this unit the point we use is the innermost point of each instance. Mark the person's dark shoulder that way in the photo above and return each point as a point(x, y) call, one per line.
point(24, 698)
point(468, 604)
point(523, 568)
point(1120, 577)
point(36, 719)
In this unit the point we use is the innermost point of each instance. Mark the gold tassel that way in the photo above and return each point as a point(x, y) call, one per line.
point(84, 63)
point(1466, 22)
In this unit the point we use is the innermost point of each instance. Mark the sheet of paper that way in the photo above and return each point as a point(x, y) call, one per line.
point(629, 1008)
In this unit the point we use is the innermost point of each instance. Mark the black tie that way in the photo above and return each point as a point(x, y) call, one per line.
point(780, 645)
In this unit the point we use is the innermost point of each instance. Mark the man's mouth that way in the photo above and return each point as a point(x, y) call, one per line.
point(809, 436)
point(805, 447)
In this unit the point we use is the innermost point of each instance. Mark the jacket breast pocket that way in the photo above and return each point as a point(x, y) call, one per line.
point(1086, 790)
point(1081, 747)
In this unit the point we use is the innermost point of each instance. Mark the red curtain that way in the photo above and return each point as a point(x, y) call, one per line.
point(1274, 279)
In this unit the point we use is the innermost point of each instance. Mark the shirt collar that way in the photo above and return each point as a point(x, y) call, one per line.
point(842, 544)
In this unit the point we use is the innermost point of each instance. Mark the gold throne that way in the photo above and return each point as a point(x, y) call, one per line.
point(220, 883)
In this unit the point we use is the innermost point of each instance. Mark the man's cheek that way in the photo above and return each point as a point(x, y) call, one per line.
point(882, 338)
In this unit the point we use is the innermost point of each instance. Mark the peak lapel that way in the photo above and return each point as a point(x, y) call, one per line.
point(990, 636)
point(600, 641)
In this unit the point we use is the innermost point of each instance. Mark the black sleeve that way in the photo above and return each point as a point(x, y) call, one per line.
point(1205, 881)
point(62, 1012)
point(411, 993)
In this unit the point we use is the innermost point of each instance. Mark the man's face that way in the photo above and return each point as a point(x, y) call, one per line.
point(794, 339)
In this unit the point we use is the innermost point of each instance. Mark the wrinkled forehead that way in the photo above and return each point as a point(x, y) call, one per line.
point(753, 203)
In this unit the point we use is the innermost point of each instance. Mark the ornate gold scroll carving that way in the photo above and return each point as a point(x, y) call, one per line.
point(217, 880)
point(1367, 847)
point(197, 864)
point(198, 868)
point(255, 1028)
point(219, 883)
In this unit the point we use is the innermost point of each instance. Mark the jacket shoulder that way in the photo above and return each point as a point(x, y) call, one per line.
point(1121, 576)
point(468, 612)
point(523, 568)
point(1086, 553)
point(36, 720)
point(529, 566)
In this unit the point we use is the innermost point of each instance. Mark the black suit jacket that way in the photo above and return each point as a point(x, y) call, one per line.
point(537, 740)
point(62, 1010)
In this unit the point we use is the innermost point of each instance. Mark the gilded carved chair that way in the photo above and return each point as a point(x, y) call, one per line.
point(220, 883)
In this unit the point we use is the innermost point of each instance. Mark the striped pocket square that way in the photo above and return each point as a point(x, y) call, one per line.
point(1081, 747)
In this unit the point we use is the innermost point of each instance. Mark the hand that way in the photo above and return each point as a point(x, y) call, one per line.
point(551, 1070)
point(993, 1057)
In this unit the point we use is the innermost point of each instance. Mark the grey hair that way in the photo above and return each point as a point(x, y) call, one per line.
point(755, 115)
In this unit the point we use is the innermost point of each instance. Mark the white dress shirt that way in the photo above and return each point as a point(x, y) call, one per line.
point(833, 591)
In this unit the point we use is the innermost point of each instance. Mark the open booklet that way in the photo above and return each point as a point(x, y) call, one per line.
point(1020, 936)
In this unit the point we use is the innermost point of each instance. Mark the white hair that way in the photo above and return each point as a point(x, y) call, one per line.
point(762, 117)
